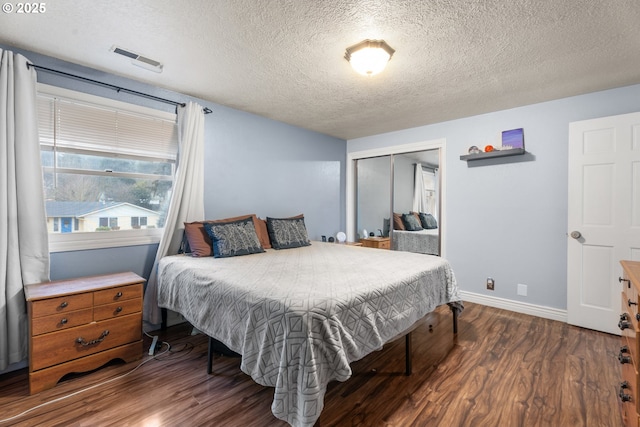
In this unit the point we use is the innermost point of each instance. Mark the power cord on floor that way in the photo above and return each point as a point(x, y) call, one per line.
point(163, 343)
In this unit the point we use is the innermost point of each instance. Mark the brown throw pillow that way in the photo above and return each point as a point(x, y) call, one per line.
point(397, 222)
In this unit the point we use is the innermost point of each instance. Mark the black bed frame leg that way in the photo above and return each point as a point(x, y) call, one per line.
point(163, 324)
point(455, 320)
point(407, 354)
point(210, 357)
point(407, 344)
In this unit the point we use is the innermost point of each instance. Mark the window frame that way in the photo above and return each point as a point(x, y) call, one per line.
point(66, 242)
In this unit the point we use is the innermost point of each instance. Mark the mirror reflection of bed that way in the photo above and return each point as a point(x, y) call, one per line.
point(398, 197)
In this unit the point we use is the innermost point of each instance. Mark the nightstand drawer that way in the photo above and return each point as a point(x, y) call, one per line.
point(120, 293)
point(386, 244)
point(63, 346)
point(630, 301)
point(117, 309)
point(42, 325)
point(376, 242)
point(47, 307)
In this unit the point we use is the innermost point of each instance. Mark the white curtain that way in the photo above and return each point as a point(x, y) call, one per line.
point(187, 200)
point(420, 202)
point(24, 246)
point(434, 202)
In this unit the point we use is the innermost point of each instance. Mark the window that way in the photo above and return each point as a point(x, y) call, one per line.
point(138, 221)
point(104, 162)
point(431, 193)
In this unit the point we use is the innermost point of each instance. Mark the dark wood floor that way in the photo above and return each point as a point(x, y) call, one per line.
point(503, 369)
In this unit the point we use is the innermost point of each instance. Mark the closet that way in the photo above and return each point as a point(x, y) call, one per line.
point(397, 183)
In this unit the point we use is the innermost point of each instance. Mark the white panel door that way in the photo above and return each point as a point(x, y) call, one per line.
point(604, 217)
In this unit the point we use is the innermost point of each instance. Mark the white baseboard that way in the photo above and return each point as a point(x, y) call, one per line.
point(517, 306)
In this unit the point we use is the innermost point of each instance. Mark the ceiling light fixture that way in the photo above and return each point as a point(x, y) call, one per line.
point(369, 57)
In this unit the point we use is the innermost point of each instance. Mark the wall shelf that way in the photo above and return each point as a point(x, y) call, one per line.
point(493, 154)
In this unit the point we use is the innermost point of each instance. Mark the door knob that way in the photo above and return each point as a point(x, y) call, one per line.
point(576, 234)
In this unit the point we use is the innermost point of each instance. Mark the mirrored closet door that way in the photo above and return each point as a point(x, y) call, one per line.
point(373, 196)
point(416, 202)
point(398, 201)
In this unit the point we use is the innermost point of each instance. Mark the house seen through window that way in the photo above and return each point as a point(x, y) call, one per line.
point(107, 166)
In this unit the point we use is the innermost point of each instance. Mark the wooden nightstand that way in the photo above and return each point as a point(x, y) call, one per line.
point(80, 324)
point(376, 242)
point(628, 353)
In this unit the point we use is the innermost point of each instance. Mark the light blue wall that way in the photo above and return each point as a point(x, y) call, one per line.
point(252, 165)
point(507, 219)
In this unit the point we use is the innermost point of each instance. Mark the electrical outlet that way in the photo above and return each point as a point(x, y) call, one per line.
point(522, 290)
point(490, 284)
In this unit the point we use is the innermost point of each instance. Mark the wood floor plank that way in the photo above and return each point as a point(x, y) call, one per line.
point(502, 369)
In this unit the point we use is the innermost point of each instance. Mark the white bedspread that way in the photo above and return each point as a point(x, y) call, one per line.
point(299, 316)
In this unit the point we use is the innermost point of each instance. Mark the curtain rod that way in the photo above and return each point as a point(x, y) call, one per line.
point(114, 87)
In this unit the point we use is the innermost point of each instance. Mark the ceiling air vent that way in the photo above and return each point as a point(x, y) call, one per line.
point(139, 60)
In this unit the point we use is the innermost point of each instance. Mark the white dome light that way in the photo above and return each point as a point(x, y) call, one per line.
point(369, 57)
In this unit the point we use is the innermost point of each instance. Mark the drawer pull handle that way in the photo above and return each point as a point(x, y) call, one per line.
point(84, 343)
point(624, 349)
point(623, 325)
point(118, 310)
point(630, 303)
point(119, 294)
point(623, 396)
point(620, 279)
point(64, 304)
point(624, 322)
point(623, 359)
point(64, 321)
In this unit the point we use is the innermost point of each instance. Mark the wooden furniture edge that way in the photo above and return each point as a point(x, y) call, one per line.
point(47, 378)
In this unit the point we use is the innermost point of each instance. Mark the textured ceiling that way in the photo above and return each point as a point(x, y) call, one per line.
point(285, 59)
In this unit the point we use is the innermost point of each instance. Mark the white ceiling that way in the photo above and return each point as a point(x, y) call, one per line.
point(285, 59)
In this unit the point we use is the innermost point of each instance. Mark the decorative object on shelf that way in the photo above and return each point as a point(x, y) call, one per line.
point(365, 234)
point(513, 138)
point(341, 237)
point(488, 148)
point(369, 57)
point(331, 239)
point(324, 238)
point(474, 149)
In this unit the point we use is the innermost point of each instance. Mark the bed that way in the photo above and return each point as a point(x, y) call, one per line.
point(299, 317)
point(421, 241)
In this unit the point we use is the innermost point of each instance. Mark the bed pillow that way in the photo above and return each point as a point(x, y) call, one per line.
point(397, 222)
point(261, 230)
point(200, 243)
point(233, 238)
point(198, 239)
point(286, 233)
point(428, 221)
point(411, 222)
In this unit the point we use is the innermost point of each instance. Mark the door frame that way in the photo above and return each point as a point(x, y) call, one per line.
point(396, 149)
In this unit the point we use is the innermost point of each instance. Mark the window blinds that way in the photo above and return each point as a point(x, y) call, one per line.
point(86, 126)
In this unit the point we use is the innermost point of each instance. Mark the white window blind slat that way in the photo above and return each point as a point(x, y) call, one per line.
point(80, 125)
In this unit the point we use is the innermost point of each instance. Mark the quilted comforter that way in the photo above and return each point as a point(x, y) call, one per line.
point(299, 316)
point(421, 242)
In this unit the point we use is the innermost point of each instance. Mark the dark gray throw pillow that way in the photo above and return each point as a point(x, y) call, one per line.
point(411, 222)
point(428, 221)
point(286, 233)
point(233, 238)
